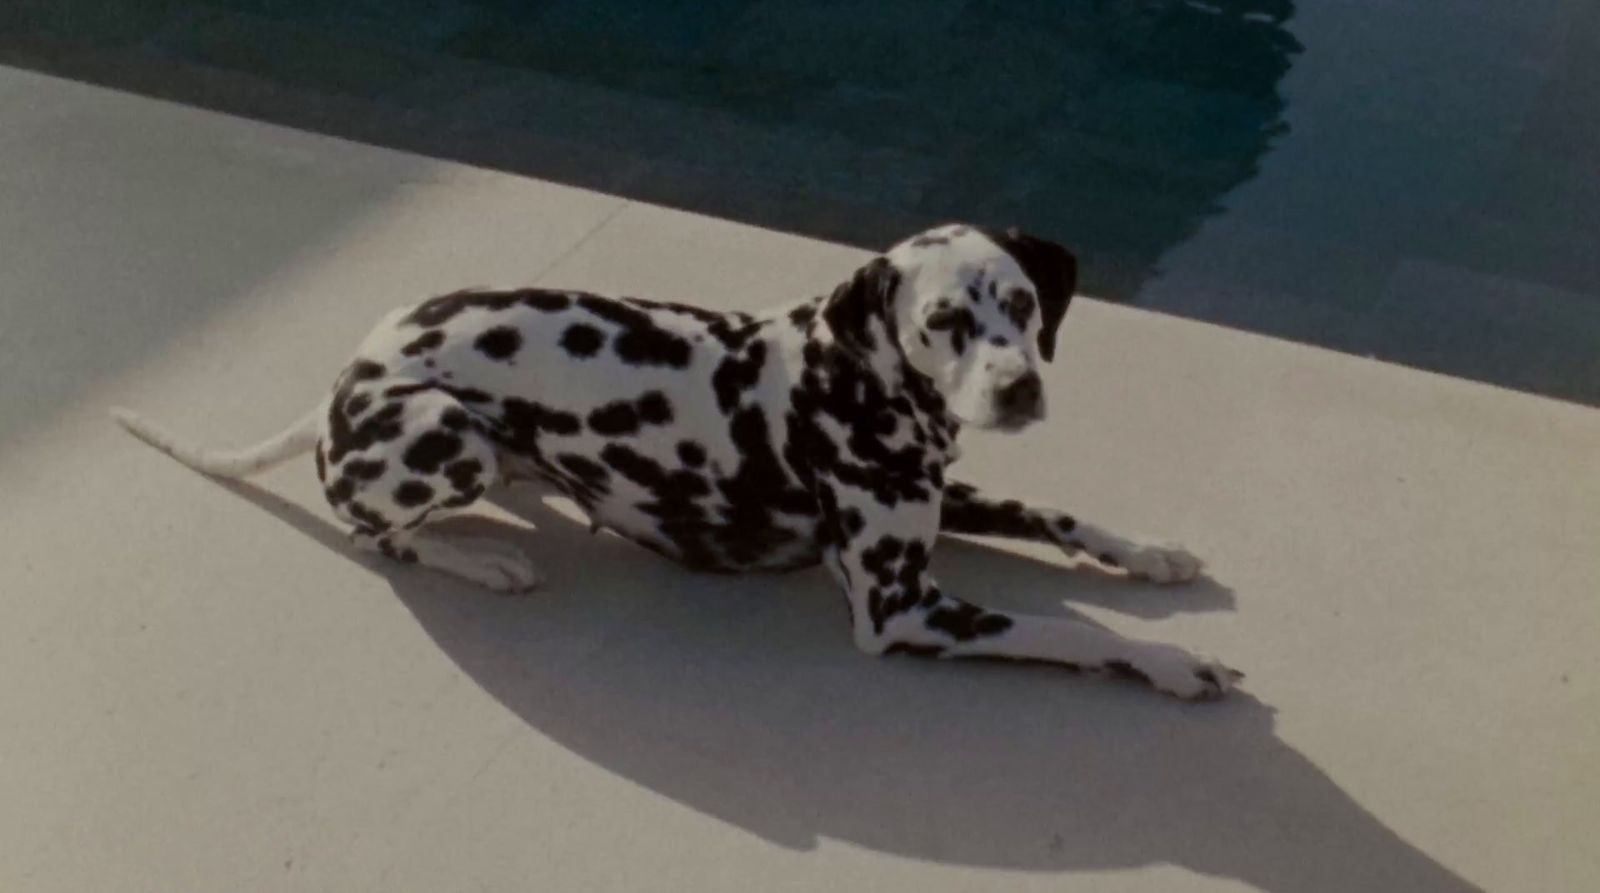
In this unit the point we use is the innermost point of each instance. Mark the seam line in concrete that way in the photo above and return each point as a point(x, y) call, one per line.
point(572, 249)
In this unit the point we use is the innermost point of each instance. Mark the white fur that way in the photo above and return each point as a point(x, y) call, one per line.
point(292, 441)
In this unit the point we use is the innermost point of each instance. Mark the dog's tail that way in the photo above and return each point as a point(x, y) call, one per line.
point(298, 438)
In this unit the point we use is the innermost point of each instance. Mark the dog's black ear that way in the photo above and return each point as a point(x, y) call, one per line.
point(851, 307)
point(1054, 272)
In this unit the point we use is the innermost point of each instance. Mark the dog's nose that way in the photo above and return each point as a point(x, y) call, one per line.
point(1022, 396)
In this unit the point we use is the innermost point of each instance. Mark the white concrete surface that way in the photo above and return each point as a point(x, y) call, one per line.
point(202, 689)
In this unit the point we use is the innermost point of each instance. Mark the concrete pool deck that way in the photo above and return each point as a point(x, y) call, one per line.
point(204, 690)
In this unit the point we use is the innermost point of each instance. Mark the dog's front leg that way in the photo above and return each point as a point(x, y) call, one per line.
point(967, 510)
point(879, 555)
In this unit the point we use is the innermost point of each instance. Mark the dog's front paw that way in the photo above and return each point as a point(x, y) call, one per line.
point(1163, 564)
point(1178, 673)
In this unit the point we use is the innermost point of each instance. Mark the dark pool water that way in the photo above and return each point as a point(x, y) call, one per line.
point(1417, 182)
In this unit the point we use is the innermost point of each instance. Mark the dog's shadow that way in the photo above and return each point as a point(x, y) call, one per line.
point(743, 698)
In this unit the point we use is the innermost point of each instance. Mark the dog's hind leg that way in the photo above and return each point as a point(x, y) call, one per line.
point(966, 510)
point(499, 566)
point(396, 466)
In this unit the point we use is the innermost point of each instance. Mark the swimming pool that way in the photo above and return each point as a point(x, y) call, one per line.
point(1409, 182)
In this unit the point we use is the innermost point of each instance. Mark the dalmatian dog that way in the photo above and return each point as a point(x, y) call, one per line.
point(819, 431)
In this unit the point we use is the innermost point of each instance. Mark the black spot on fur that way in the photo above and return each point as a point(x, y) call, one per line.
point(615, 419)
point(641, 342)
point(993, 624)
point(654, 408)
point(735, 331)
point(1019, 307)
point(463, 498)
point(322, 465)
point(434, 448)
point(499, 343)
point(856, 400)
point(737, 374)
point(692, 454)
point(959, 322)
point(878, 559)
point(732, 329)
point(813, 355)
point(640, 469)
point(673, 503)
point(383, 425)
point(963, 511)
point(357, 405)
point(455, 418)
point(1107, 559)
point(468, 395)
point(362, 370)
point(463, 473)
point(591, 476)
point(652, 347)
point(582, 340)
point(407, 389)
point(831, 533)
point(367, 519)
point(757, 489)
point(965, 622)
point(852, 306)
point(898, 568)
point(412, 494)
point(436, 312)
point(340, 490)
point(365, 469)
point(802, 315)
point(527, 420)
point(423, 343)
point(548, 301)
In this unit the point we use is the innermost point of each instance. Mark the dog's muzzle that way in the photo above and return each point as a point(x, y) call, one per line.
point(1020, 402)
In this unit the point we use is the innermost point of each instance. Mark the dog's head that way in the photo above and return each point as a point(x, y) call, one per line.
point(973, 310)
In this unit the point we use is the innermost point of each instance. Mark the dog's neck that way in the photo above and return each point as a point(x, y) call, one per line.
point(886, 366)
point(889, 363)
point(925, 397)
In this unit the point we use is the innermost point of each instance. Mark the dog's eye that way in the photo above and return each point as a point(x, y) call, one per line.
point(942, 319)
point(1021, 304)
